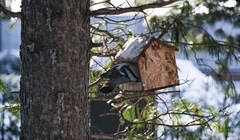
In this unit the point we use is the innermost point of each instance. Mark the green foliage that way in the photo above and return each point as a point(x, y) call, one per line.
point(93, 76)
point(186, 9)
point(13, 108)
point(10, 111)
point(1, 14)
point(137, 115)
point(12, 24)
point(185, 134)
point(188, 31)
point(156, 22)
point(213, 111)
point(3, 87)
point(222, 127)
point(178, 31)
point(230, 91)
point(141, 2)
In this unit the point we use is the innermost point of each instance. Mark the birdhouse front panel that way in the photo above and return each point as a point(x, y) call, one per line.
point(157, 66)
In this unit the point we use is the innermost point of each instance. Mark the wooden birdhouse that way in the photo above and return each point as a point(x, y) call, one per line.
point(155, 60)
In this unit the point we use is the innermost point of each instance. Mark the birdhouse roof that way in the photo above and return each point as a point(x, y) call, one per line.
point(133, 49)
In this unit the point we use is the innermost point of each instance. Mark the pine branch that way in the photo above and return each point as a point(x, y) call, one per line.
point(117, 10)
point(104, 11)
point(9, 13)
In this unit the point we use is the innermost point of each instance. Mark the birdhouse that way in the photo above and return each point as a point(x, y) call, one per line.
point(155, 60)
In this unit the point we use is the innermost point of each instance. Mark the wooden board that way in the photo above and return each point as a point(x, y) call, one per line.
point(157, 66)
point(133, 86)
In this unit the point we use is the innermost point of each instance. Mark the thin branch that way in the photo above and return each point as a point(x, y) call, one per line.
point(99, 64)
point(104, 31)
point(148, 26)
point(94, 45)
point(102, 136)
point(146, 94)
point(103, 55)
point(165, 30)
point(117, 11)
point(113, 21)
point(147, 122)
point(103, 2)
point(9, 13)
point(94, 83)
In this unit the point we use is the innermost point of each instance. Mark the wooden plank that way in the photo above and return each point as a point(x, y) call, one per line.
point(133, 86)
point(157, 67)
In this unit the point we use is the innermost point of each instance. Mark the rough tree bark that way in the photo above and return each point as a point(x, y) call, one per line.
point(55, 57)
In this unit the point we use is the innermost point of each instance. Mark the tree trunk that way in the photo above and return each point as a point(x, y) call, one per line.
point(55, 58)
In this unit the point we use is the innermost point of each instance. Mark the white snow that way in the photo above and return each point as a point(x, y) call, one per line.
point(200, 87)
point(229, 3)
point(132, 49)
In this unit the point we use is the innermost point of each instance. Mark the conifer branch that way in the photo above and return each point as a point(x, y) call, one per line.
point(9, 13)
point(118, 10)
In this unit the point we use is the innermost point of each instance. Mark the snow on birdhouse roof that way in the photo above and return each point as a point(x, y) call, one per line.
point(134, 47)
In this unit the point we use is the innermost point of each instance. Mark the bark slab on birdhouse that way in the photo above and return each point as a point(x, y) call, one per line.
point(156, 62)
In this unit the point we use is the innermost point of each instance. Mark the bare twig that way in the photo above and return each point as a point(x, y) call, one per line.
point(99, 64)
point(105, 32)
